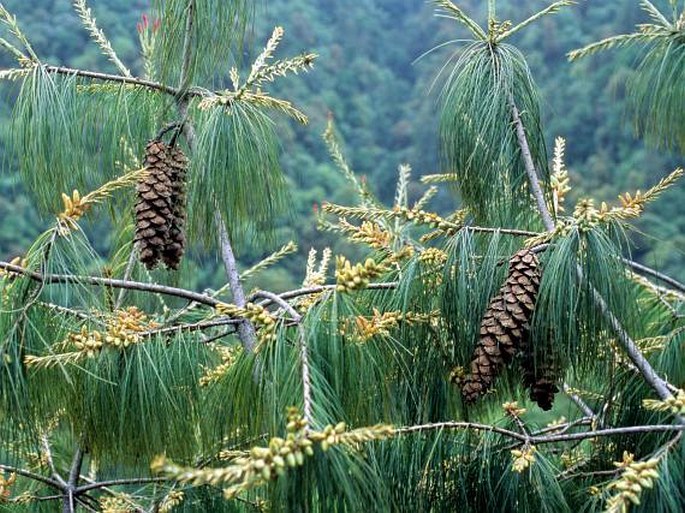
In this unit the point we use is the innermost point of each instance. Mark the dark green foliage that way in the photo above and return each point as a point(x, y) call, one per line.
point(216, 34)
point(76, 132)
point(656, 94)
point(568, 320)
point(235, 169)
point(119, 392)
point(483, 85)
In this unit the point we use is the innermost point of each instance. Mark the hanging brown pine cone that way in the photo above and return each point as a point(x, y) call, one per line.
point(153, 208)
point(175, 247)
point(505, 325)
point(540, 372)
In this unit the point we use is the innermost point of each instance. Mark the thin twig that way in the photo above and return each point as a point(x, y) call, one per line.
point(563, 428)
point(306, 376)
point(578, 401)
point(643, 269)
point(558, 429)
point(221, 335)
point(440, 426)
point(45, 445)
point(540, 439)
point(68, 311)
point(47, 279)
point(31, 475)
point(305, 291)
point(275, 298)
point(505, 231)
point(597, 473)
point(196, 326)
point(105, 489)
point(119, 482)
point(108, 77)
point(127, 274)
point(521, 426)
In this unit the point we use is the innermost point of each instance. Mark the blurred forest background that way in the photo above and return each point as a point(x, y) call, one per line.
point(384, 106)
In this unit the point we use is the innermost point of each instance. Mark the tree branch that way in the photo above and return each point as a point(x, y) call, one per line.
point(440, 426)
point(660, 386)
point(305, 291)
point(196, 326)
point(506, 231)
point(275, 298)
point(108, 77)
point(578, 401)
point(119, 482)
point(540, 439)
point(547, 220)
point(47, 279)
point(643, 269)
point(246, 331)
point(74, 472)
point(31, 475)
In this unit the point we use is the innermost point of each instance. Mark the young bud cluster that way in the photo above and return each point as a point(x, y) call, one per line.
point(260, 465)
point(6, 486)
point(523, 458)
point(19, 262)
point(123, 330)
point(228, 357)
point(349, 277)
point(362, 328)
point(254, 313)
point(174, 498)
point(674, 404)
point(636, 476)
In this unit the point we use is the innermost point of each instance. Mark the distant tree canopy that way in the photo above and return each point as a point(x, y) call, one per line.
point(384, 103)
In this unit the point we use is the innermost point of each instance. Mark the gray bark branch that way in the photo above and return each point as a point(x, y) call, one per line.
point(659, 385)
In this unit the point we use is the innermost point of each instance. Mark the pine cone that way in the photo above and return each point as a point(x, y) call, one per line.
point(175, 247)
point(153, 208)
point(505, 325)
point(540, 374)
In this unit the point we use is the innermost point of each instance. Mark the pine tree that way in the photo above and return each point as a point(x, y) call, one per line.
point(402, 384)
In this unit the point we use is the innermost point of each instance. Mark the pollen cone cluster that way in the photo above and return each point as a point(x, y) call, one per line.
point(505, 325)
point(160, 209)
